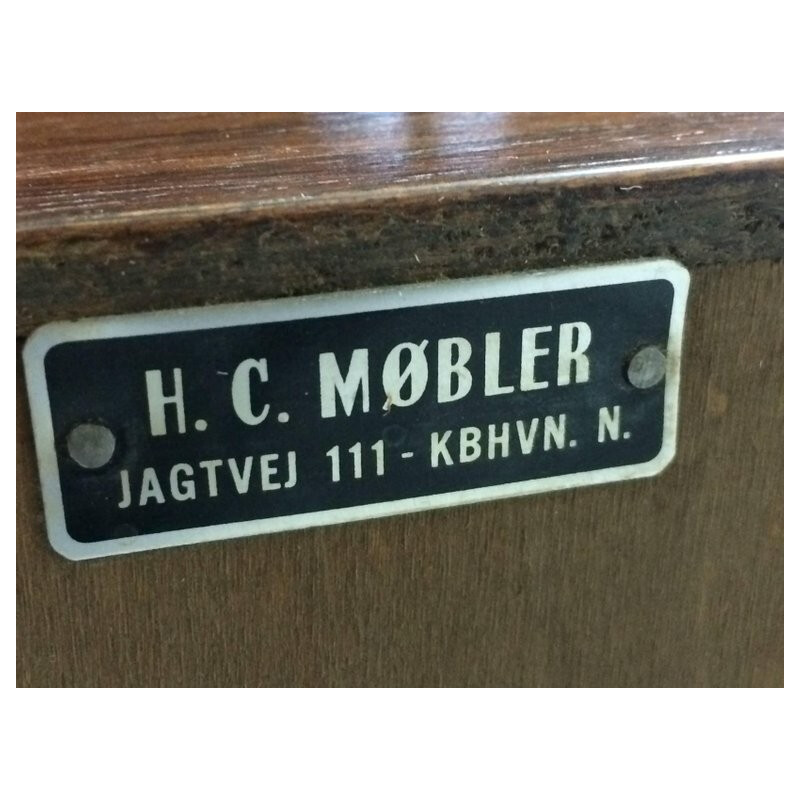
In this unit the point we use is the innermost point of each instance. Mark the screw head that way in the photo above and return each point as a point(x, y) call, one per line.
point(91, 445)
point(647, 367)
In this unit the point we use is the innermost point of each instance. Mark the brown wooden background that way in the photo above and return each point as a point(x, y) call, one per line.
point(673, 580)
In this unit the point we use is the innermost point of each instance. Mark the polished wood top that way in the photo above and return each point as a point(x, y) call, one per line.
point(109, 170)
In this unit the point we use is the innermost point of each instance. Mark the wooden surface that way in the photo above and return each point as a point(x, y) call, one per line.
point(118, 214)
point(96, 170)
point(673, 580)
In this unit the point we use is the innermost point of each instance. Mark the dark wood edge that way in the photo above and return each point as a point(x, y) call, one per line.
point(697, 214)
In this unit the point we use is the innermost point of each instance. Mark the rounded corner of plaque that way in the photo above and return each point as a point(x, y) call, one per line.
point(665, 456)
point(69, 548)
point(680, 275)
point(39, 343)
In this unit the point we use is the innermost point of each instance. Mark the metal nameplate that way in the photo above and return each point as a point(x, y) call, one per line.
point(186, 426)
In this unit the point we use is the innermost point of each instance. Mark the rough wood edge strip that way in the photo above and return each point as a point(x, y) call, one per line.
point(700, 218)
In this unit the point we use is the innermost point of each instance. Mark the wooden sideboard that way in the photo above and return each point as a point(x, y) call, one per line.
point(675, 580)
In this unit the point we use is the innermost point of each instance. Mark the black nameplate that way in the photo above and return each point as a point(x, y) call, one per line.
point(186, 426)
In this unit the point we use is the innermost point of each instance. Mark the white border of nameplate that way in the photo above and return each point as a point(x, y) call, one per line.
point(335, 304)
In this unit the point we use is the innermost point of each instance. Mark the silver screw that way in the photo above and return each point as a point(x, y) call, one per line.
point(647, 367)
point(91, 445)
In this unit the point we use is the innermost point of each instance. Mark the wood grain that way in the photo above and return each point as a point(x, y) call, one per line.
point(119, 214)
point(675, 580)
point(101, 169)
